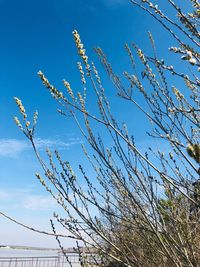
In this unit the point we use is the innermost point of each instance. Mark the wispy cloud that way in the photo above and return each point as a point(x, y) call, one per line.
point(43, 143)
point(14, 147)
point(4, 195)
point(38, 202)
point(27, 199)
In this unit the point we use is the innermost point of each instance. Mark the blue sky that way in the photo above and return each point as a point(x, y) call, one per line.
point(37, 35)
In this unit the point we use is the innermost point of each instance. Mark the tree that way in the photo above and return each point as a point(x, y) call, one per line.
point(138, 208)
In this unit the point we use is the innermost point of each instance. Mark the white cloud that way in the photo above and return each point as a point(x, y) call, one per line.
point(43, 143)
point(13, 147)
point(16, 198)
point(4, 195)
point(38, 202)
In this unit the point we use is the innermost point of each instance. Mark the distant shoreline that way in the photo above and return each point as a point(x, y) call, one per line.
point(57, 250)
point(28, 248)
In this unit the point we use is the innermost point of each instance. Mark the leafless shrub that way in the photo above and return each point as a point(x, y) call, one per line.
point(139, 208)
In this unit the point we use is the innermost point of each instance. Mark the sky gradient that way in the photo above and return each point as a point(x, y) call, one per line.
point(38, 35)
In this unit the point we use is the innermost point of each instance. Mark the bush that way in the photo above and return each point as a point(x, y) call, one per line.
point(138, 208)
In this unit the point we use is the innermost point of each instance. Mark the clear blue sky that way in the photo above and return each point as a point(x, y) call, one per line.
point(37, 35)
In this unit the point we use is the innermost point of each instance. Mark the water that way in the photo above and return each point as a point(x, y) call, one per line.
point(6, 252)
